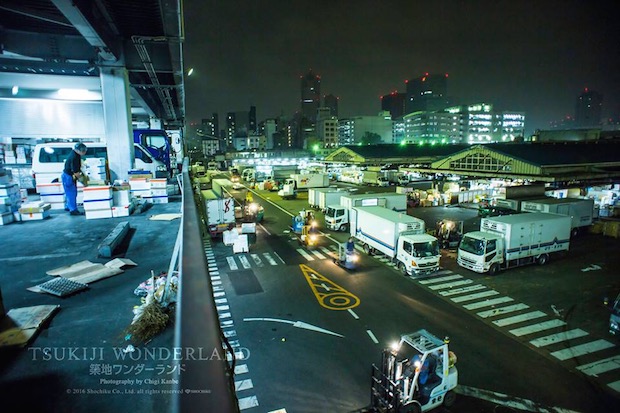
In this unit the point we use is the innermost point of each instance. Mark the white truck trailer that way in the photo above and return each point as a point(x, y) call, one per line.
point(301, 182)
point(220, 212)
point(514, 240)
point(580, 210)
point(399, 236)
point(337, 215)
point(319, 198)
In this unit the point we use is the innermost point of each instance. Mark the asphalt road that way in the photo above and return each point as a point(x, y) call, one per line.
point(305, 353)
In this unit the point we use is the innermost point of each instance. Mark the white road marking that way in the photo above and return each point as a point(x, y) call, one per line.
point(269, 259)
point(216, 282)
point(230, 333)
point(305, 254)
point(325, 286)
point(298, 324)
point(318, 254)
point(535, 328)
point(245, 262)
point(247, 402)
point(280, 258)
point(462, 290)
point(219, 294)
point(440, 279)
point(372, 337)
point(325, 250)
point(225, 315)
point(519, 318)
point(264, 229)
point(226, 323)
point(582, 349)
point(222, 307)
point(216, 277)
point(600, 366)
point(502, 310)
point(232, 264)
point(615, 385)
point(450, 285)
point(474, 296)
point(508, 401)
point(242, 368)
point(221, 301)
point(257, 260)
point(353, 314)
point(442, 272)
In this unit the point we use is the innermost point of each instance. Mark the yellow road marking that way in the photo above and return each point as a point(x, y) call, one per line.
point(335, 297)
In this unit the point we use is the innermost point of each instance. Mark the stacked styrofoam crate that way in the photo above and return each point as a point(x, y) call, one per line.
point(159, 191)
point(6, 216)
point(94, 168)
point(20, 153)
point(53, 194)
point(98, 201)
point(123, 204)
point(34, 211)
point(9, 156)
point(14, 201)
point(140, 187)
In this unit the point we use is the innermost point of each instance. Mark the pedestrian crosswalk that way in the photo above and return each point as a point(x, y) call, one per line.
point(595, 357)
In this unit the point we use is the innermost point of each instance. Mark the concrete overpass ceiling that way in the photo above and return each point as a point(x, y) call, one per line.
point(72, 39)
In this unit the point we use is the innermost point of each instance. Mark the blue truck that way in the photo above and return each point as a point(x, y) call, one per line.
point(158, 143)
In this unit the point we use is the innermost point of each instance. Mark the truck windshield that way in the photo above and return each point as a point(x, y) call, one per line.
point(426, 249)
point(333, 212)
point(472, 245)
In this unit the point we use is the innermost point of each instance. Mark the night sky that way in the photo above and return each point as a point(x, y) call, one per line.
point(530, 56)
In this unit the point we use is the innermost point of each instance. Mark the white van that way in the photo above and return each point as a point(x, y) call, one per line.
point(48, 159)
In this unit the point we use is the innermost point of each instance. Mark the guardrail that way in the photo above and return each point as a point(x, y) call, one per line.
point(204, 377)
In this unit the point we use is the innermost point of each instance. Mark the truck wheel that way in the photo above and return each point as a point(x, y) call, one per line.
point(402, 268)
point(449, 399)
point(542, 259)
point(367, 249)
point(494, 270)
point(574, 232)
point(342, 228)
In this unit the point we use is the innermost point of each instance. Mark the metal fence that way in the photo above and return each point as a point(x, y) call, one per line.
point(205, 379)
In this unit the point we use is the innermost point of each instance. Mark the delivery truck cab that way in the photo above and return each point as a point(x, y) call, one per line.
point(48, 159)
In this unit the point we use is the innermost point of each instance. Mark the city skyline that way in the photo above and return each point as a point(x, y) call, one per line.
point(533, 59)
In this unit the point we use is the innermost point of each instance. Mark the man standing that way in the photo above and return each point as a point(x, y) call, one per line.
point(70, 175)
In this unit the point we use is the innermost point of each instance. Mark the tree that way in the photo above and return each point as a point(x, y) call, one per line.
point(370, 138)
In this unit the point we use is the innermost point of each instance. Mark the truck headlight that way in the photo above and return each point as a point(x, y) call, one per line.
point(614, 327)
point(161, 168)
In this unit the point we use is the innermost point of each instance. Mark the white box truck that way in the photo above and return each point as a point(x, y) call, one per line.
point(220, 212)
point(301, 182)
point(580, 210)
point(376, 178)
point(337, 215)
point(319, 198)
point(514, 240)
point(399, 236)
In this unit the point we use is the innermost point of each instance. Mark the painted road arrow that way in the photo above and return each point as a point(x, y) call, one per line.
point(298, 324)
point(329, 294)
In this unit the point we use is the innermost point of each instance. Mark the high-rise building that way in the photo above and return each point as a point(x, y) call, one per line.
point(428, 92)
point(211, 126)
point(431, 127)
point(394, 103)
point(331, 102)
point(310, 95)
point(588, 109)
point(366, 129)
point(240, 124)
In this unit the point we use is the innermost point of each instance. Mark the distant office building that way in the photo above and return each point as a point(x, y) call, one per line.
point(251, 142)
point(211, 126)
point(567, 122)
point(268, 128)
point(394, 103)
point(327, 131)
point(566, 135)
point(588, 109)
point(427, 93)
point(331, 102)
point(310, 95)
point(210, 145)
point(431, 127)
point(366, 130)
point(476, 123)
point(240, 124)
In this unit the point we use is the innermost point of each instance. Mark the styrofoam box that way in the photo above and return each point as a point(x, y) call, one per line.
point(36, 216)
point(98, 213)
point(159, 192)
point(9, 190)
point(158, 183)
point(57, 205)
point(50, 189)
point(158, 199)
point(121, 197)
point(96, 193)
point(6, 218)
point(98, 204)
point(122, 211)
point(141, 193)
point(139, 184)
point(53, 199)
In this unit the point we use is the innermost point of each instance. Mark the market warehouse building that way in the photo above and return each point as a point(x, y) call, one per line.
point(559, 165)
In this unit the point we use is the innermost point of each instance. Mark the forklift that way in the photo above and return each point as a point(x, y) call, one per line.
point(305, 227)
point(416, 375)
point(347, 257)
point(449, 233)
